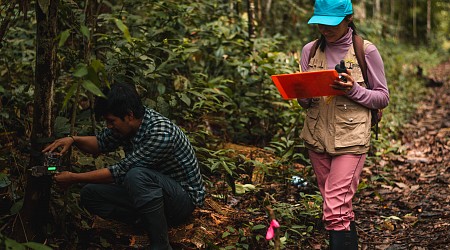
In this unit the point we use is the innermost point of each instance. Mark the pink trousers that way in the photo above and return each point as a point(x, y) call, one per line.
point(338, 179)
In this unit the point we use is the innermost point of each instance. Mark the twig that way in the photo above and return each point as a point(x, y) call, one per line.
point(276, 240)
point(23, 227)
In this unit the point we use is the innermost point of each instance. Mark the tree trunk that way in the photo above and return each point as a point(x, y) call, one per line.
point(359, 11)
point(91, 22)
point(35, 211)
point(415, 20)
point(398, 30)
point(392, 14)
point(251, 18)
point(377, 10)
point(428, 21)
point(267, 9)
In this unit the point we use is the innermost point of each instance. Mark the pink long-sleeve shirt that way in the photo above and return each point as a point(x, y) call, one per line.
point(375, 98)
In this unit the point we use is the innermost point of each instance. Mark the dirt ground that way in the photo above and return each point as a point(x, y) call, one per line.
point(413, 212)
point(409, 208)
point(407, 205)
point(404, 206)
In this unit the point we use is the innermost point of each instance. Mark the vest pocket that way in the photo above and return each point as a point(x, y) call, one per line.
point(351, 127)
point(309, 127)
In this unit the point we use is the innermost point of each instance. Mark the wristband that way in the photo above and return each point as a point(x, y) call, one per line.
point(74, 142)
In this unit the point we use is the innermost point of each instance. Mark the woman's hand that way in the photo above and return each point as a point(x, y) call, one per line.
point(344, 85)
point(64, 142)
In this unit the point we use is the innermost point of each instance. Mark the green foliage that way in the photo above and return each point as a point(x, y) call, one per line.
point(7, 243)
point(16, 74)
point(298, 220)
point(406, 89)
point(287, 150)
point(194, 62)
point(219, 161)
point(237, 234)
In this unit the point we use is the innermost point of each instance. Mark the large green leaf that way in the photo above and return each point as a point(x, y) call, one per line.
point(91, 87)
point(37, 246)
point(85, 31)
point(8, 243)
point(4, 180)
point(185, 99)
point(81, 71)
point(70, 93)
point(63, 37)
point(122, 27)
point(16, 207)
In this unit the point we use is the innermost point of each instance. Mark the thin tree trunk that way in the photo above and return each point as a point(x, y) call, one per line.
point(265, 17)
point(259, 10)
point(392, 10)
point(35, 211)
point(360, 11)
point(399, 22)
point(428, 21)
point(91, 23)
point(377, 10)
point(415, 20)
point(251, 18)
point(267, 9)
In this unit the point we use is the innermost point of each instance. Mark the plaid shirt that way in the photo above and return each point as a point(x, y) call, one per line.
point(160, 145)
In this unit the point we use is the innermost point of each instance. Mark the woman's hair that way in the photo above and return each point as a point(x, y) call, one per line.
point(322, 41)
point(121, 99)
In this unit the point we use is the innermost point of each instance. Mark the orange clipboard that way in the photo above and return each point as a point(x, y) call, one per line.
point(306, 84)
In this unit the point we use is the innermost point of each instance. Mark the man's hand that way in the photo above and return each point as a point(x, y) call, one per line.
point(64, 179)
point(64, 142)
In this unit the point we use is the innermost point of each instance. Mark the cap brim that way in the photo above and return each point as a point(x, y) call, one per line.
point(326, 20)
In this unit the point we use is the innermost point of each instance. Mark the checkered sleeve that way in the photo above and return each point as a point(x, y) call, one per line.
point(153, 147)
point(106, 140)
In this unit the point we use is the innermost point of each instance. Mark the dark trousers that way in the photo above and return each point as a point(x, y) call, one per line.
point(140, 190)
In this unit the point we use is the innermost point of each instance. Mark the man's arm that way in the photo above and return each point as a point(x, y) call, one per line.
point(96, 176)
point(87, 144)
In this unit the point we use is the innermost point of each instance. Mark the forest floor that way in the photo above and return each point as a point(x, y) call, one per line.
point(407, 205)
point(412, 212)
point(404, 204)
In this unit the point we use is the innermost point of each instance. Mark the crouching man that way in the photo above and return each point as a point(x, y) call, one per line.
point(158, 181)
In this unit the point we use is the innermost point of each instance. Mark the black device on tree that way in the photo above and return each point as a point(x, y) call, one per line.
point(52, 165)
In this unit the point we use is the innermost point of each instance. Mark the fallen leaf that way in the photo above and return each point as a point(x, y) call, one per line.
point(409, 218)
point(402, 185)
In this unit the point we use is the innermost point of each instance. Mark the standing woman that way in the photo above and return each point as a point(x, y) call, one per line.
point(337, 128)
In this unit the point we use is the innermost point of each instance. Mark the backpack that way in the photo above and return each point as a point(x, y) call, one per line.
point(358, 46)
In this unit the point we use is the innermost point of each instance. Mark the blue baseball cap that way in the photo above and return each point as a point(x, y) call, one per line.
point(331, 12)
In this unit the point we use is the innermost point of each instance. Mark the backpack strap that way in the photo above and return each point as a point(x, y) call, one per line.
point(314, 48)
point(358, 46)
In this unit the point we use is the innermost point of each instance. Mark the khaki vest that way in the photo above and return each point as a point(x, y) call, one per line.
point(336, 124)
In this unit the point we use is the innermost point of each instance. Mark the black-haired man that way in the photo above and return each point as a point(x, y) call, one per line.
point(158, 181)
